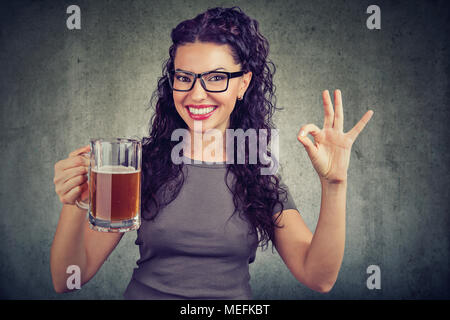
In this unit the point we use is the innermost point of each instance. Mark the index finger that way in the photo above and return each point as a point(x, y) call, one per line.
point(72, 162)
point(79, 151)
point(356, 130)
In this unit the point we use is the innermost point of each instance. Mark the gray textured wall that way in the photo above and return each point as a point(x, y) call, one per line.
point(60, 87)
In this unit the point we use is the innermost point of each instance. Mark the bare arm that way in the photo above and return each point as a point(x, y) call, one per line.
point(68, 246)
point(74, 242)
point(315, 259)
point(325, 254)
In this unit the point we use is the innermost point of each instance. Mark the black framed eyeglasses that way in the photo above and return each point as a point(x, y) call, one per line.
point(211, 81)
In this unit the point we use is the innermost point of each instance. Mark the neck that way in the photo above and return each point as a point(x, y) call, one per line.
point(206, 146)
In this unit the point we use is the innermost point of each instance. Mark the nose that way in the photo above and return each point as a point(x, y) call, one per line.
point(198, 93)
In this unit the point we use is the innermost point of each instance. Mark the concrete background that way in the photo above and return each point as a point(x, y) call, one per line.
point(60, 87)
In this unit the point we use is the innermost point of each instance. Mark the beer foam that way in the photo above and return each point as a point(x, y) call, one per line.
point(115, 169)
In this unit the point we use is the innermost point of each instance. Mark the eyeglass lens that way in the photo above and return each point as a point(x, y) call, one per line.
point(214, 81)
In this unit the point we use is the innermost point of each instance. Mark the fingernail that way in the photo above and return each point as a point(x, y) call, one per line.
point(302, 133)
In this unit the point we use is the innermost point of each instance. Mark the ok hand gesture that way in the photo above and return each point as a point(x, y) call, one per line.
point(330, 152)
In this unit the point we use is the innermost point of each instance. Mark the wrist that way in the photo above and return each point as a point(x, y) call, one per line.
point(74, 208)
point(333, 182)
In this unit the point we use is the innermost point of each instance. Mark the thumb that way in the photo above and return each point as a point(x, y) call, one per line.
point(302, 136)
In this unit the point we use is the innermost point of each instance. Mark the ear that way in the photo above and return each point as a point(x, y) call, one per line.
point(246, 79)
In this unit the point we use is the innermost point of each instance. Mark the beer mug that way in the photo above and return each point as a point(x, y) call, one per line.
point(114, 185)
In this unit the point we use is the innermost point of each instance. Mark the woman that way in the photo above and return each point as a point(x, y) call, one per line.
point(202, 222)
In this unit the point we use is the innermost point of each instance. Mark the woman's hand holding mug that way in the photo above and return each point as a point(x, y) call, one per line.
point(112, 192)
point(71, 181)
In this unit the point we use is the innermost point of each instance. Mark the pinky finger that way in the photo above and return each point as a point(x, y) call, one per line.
point(72, 195)
point(356, 130)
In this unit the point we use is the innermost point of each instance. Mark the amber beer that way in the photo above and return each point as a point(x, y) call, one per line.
point(115, 193)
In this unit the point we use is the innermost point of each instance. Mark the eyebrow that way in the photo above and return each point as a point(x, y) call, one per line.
point(217, 69)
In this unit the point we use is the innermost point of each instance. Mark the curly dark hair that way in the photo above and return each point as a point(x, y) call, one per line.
point(254, 195)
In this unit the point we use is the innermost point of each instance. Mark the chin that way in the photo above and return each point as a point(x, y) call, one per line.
point(200, 128)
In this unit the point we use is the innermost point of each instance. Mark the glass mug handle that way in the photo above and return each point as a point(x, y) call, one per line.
point(80, 204)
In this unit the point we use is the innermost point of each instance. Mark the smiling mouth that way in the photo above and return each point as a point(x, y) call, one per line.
point(200, 110)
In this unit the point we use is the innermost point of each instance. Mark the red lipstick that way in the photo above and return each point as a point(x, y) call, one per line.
point(197, 116)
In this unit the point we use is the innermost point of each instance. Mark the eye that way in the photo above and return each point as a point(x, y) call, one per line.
point(217, 77)
point(182, 78)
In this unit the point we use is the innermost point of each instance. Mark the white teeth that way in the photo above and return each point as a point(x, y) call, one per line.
point(200, 110)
